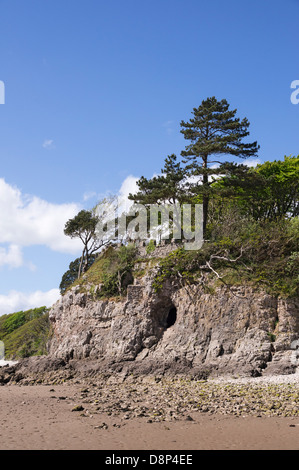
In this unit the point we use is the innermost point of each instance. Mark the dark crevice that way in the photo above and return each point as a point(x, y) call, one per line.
point(171, 317)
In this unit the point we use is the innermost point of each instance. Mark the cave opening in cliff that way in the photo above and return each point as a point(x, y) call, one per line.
point(171, 317)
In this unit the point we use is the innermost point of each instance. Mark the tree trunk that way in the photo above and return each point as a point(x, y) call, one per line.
point(85, 267)
point(119, 282)
point(80, 267)
point(81, 263)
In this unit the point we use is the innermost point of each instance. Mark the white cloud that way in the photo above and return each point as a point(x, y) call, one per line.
point(117, 204)
point(29, 220)
point(253, 162)
point(48, 143)
point(11, 257)
point(250, 162)
point(129, 186)
point(15, 301)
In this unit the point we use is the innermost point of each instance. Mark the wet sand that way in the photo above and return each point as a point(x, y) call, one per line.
point(40, 417)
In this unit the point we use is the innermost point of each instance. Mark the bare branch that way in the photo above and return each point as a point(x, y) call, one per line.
point(208, 265)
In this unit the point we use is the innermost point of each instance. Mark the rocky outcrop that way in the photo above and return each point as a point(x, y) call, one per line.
point(241, 331)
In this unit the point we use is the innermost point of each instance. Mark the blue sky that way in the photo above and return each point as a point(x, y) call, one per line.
point(94, 95)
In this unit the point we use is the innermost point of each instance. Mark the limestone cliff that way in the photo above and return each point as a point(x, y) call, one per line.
point(241, 331)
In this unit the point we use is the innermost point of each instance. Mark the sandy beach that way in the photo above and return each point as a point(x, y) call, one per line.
point(42, 417)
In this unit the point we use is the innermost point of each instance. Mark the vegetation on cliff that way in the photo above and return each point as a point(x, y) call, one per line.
point(25, 333)
point(250, 214)
point(252, 236)
point(112, 271)
point(73, 273)
point(249, 253)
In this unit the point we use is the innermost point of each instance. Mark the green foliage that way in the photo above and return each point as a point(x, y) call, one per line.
point(126, 255)
point(166, 187)
point(282, 188)
point(13, 322)
point(268, 192)
point(150, 247)
point(214, 130)
point(117, 272)
point(262, 254)
point(250, 215)
point(112, 270)
point(292, 267)
point(28, 340)
point(178, 263)
point(25, 333)
point(72, 273)
point(293, 227)
point(83, 226)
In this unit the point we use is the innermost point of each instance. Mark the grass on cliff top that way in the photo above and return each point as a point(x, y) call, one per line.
point(113, 270)
point(25, 333)
point(106, 263)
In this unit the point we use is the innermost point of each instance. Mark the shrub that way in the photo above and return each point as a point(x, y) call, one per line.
point(267, 256)
point(150, 247)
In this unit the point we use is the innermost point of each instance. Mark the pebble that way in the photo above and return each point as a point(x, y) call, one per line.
point(101, 426)
point(171, 399)
point(78, 408)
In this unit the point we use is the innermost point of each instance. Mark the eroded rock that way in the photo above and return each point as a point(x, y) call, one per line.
point(240, 331)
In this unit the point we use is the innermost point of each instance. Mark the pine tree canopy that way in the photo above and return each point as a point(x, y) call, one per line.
point(214, 130)
point(166, 187)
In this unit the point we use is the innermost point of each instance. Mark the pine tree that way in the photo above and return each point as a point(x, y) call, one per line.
point(164, 188)
point(213, 131)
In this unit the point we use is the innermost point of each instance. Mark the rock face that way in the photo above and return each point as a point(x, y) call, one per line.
point(240, 331)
